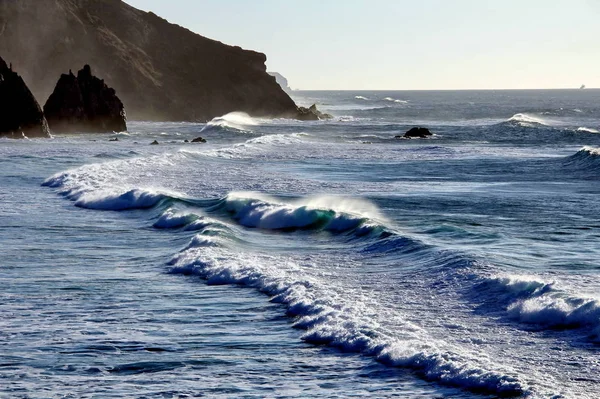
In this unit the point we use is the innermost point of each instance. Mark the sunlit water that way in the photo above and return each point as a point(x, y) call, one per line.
point(310, 259)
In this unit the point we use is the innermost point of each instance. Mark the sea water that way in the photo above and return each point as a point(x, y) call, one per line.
point(310, 259)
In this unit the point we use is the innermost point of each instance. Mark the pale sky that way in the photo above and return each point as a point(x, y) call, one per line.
point(406, 44)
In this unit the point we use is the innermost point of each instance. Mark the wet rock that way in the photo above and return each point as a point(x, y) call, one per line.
point(84, 103)
point(311, 114)
point(186, 141)
point(417, 132)
point(20, 113)
point(198, 140)
point(114, 139)
point(154, 143)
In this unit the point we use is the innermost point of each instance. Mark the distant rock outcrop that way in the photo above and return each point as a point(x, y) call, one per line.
point(84, 103)
point(281, 81)
point(20, 113)
point(311, 114)
point(161, 71)
point(417, 132)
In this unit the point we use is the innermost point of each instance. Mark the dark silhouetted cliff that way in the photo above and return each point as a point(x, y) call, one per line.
point(160, 70)
point(20, 113)
point(84, 103)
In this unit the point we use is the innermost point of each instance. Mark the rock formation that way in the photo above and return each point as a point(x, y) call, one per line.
point(84, 103)
point(161, 71)
point(311, 114)
point(417, 132)
point(20, 113)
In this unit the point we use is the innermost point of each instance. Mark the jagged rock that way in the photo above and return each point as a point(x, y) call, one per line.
point(161, 71)
point(417, 132)
point(84, 103)
point(199, 140)
point(20, 113)
point(311, 114)
point(154, 143)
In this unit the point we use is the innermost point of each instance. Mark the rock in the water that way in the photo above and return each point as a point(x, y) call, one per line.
point(199, 140)
point(417, 132)
point(311, 114)
point(84, 103)
point(154, 143)
point(115, 139)
point(186, 141)
point(20, 113)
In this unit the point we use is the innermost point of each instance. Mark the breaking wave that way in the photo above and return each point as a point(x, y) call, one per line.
point(527, 120)
point(327, 213)
point(393, 100)
point(329, 317)
point(588, 158)
point(361, 98)
point(233, 122)
point(587, 130)
point(532, 301)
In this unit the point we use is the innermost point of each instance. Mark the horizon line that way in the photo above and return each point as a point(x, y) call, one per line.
point(503, 89)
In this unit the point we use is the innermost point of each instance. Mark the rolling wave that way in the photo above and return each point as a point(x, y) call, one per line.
point(327, 213)
point(361, 98)
point(587, 158)
point(528, 120)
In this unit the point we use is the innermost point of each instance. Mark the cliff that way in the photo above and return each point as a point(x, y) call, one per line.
point(161, 71)
point(281, 81)
point(20, 113)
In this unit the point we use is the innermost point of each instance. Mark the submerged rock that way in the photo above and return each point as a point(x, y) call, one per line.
point(84, 103)
point(20, 113)
point(417, 132)
point(199, 140)
point(311, 114)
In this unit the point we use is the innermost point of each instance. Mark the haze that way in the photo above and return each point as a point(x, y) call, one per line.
point(399, 44)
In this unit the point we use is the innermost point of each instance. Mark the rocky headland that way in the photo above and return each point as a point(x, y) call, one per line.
point(162, 71)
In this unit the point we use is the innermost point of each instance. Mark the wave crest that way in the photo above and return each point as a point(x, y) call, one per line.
point(327, 213)
point(233, 121)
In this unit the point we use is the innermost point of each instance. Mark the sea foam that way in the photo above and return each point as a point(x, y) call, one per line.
point(330, 317)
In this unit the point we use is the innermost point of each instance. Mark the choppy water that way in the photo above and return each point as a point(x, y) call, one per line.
point(310, 259)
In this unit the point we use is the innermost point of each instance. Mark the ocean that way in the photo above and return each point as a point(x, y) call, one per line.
point(326, 259)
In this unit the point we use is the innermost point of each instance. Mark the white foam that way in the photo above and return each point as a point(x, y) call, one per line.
point(532, 300)
point(524, 118)
point(361, 98)
point(395, 100)
point(332, 315)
